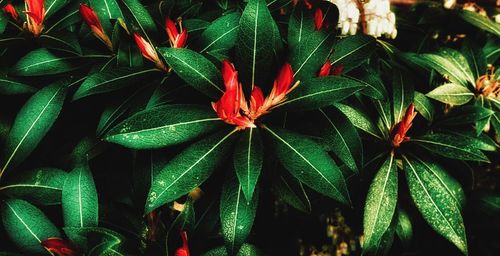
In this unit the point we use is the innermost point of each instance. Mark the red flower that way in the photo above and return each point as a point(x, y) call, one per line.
point(149, 52)
point(177, 38)
point(329, 70)
point(184, 250)
point(90, 17)
point(60, 247)
point(404, 126)
point(35, 11)
point(229, 105)
point(9, 8)
point(318, 19)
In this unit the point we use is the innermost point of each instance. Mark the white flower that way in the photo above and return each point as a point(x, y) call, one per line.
point(448, 4)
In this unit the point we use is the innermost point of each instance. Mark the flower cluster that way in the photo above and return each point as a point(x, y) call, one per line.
point(374, 16)
point(233, 108)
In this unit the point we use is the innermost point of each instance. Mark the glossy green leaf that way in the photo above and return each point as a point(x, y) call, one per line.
point(424, 106)
point(448, 146)
point(475, 57)
point(4, 19)
point(404, 228)
point(52, 6)
point(466, 115)
point(164, 126)
point(45, 62)
point(79, 198)
point(195, 69)
point(374, 86)
point(236, 215)
point(63, 19)
point(459, 61)
point(306, 161)
point(106, 10)
point(491, 50)
point(384, 120)
point(402, 94)
point(352, 51)
point(480, 21)
point(292, 192)
point(189, 169)
point(380, 204)
point(443, 66)
point(255, 45)
point(248, 158)
point(342, 138)
point(245, 250)
point(319, 92)
point(434, 202)
point(32, 122)
point(27, 226)
point(112, 79)
point(95, 240)
point(222, 33)
point(451, 94)
point(138, 18)
point(63, 41)
point(10, 86)
point(39, 186)
point(359, 119)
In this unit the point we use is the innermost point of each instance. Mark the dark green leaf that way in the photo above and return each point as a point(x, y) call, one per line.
point(380, 204)
point(466, 115)
point(402, 94)
point(448, 146)
point(374, 86)
point(434, 202)
point(79, 198)
point(451, 94)
point(222, 33)
point(10, 86)
point(106, 10)
point(342, 138)
point(424, 106)
point(248, 157)
point(352, 51)
point(63, 41)
point(236, 214)
point(480, 21)
point(442, 65)
point(256, 43)
point(27, 226)
point(319, 92)
point(195, 69)
point(306, 161)
point(460, 62)
point(164, 126)
point(63, 19)
point(188, 169)
point(245, 250)
point(359, 119)
point(112, 79)
point(475, 58)
point(32, 122)
point(138, 18)
point(39, 186)
point(404, 228)
point(291, 191)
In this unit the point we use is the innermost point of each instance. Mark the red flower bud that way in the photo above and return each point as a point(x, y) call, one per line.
point(9, 8)
point(402, 128)
point(337, 70)
point(35, 12)
point(318, 19)
point(325, 69)
point(60, 247)
point(184, 250)
point(148, 51)
point(177, 39)
point(91, 19)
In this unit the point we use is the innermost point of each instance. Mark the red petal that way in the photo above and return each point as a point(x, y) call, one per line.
point(308, 5)
point(181, 40)
point(60, 247)
point(9, 8)
point(325, 69)
point(337, 70)
point(171, 30)
point(409, 115)
point(318, 19)
point(90, 17)
point(256, 98)
point(36, 10)
point(230, 75)
point(284, 79)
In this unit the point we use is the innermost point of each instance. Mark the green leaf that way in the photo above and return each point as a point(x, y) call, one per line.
point(164, 126)
point(480, 21)
point(79, 198)
point(4, 19)
point(384, 120)
point(63, 41)
point(106, 10)
point(448, 146)
point(63, 19)
point(433, 201)
point(10, 86)
point(44, 62)
point(374, 86)
point(255, 47)
point(32, 122)
point(451, 94)
point(306, 161)
point(319, 92)
point(450, 185)
point(402, 94)
point(248, 157)
point(112, 79)
point(188, 169)
point(222, 33)
point(39, 186)
point(491, 50)
point(352, 51)
point(138, 18)
point(27, 226)
point(475, 57)
point(359, 119)
point(245, 250)
point(444, 66)
point(236, 215)
point(95, 240)
point(467, 115)
point(342, 138)
point(194, 69)
point(52, 6)
point(291, 191)
point(404, 228)
point(424, 106)
point(380, 204)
